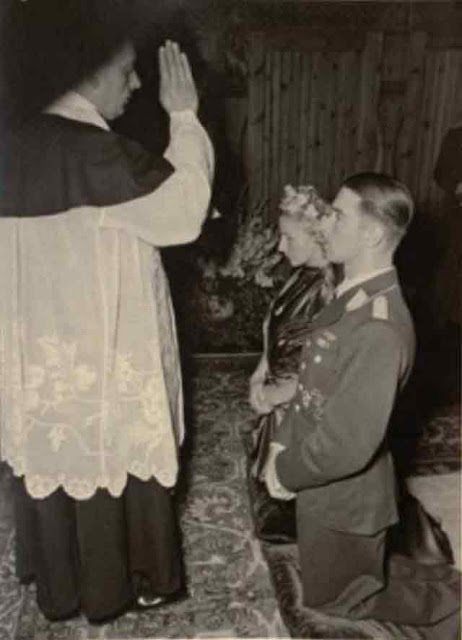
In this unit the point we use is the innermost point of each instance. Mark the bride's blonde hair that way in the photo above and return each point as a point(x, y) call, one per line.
point(305, 205)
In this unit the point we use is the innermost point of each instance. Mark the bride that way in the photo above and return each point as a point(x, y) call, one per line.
point(310, 286)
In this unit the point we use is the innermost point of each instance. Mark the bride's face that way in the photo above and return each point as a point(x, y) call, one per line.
point(297, 244)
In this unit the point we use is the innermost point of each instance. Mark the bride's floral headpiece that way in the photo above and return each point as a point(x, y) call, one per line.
point(304, 201)
point(306, 205)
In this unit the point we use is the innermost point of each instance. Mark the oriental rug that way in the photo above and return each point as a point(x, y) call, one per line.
point(230, 591)
point(237, 587)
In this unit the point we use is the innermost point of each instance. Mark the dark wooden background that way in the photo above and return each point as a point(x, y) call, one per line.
point(343, 87)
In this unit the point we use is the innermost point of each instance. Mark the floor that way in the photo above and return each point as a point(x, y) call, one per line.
point(230, 590)
point(441, 496)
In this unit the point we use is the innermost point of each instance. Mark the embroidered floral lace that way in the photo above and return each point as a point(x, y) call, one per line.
point(90, 378)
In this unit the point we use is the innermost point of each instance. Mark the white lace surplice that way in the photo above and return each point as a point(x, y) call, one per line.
point(90, 376)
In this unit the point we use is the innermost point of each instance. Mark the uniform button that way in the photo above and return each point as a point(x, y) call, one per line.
point(303, 366)
point(317, 358)
point(297, 407)
point(300, 386)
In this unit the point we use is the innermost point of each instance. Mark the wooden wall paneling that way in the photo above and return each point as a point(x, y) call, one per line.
point(322, 125)
point(457, 115)
point(352, 113)
point(338, 121)
point(294, 117)
point(305, 105)
point(311, 176)
point(320, 115)
point(393, 87)
point(450, 102)
point(331, 118)
point(327, 137)
point(445, 109)
point(426, 119)
point(255, 117)
point(406, 143)
point(275, 127)
point(456, 111)
point(368, 100)
point(284, 119)
point(310, 38)
point(267, 115)
point(441, 105)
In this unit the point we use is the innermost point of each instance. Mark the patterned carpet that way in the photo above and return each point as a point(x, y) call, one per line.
point(233, 592)
point(230, 590)
point(438, 451)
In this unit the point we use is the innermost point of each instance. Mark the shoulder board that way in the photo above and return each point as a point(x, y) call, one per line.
point(380, 308)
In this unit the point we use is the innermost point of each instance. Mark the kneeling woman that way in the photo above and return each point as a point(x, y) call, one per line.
point(285, 329)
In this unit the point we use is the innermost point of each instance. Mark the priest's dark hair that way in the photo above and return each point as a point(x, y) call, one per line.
point(49, 46)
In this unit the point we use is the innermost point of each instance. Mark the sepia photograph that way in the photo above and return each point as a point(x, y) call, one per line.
point(230, 319)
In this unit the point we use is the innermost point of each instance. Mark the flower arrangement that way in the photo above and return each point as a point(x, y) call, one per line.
point(254, 255)
point(231, 299)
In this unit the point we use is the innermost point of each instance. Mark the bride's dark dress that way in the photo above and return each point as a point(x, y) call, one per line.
point(285, 329)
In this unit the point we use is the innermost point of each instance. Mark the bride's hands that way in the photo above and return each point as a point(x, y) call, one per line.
point(264, 397)
point(281, 391)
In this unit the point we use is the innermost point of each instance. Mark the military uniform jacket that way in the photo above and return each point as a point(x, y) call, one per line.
point(354, 363)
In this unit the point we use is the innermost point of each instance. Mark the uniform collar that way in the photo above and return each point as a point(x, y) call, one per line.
point(349, 283)
point(74, 106)
point(355, 297)
point(372, 285)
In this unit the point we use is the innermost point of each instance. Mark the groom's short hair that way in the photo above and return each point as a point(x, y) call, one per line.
point(384, 198)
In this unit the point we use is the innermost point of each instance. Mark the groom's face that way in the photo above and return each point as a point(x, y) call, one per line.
point(344, 242)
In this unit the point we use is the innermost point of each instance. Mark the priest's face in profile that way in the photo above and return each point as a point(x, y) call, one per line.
point(116, 81)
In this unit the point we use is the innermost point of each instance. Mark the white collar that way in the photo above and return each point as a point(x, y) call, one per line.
point(348, 283)
point(74, 106)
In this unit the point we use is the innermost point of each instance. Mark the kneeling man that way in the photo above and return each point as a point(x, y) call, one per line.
point(332, 449)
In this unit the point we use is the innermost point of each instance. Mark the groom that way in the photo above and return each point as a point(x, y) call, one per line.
point(331, 450)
